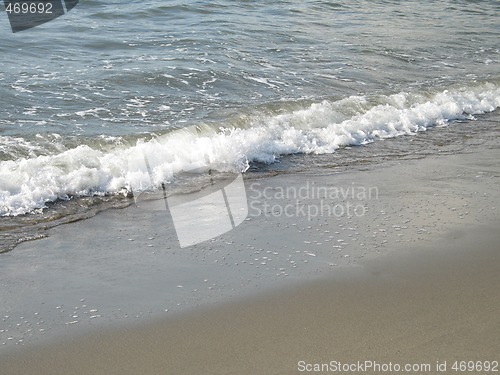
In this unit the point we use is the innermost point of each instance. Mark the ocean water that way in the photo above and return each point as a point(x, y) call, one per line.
point(269, 85)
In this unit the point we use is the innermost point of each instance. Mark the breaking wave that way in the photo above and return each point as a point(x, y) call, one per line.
point(28, 183)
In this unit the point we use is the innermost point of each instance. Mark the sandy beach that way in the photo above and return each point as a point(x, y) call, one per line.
point(434, 307)
point(412, 281)
point(249, 187)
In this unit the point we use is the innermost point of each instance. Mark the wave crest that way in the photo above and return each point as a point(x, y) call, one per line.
point(27, 184)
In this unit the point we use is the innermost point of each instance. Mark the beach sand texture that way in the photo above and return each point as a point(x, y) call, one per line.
point(429, 296)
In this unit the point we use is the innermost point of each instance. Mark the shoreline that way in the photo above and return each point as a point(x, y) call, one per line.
point(128, 281)
point(454, 139)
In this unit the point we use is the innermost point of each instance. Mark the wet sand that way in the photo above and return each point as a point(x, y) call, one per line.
point(415, 281)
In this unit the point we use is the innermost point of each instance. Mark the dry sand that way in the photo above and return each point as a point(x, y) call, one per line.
point(438, 304)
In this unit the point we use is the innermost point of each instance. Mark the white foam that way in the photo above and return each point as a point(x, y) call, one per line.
point(27, 184)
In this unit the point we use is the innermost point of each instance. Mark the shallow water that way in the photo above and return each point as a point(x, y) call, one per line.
point(86, 93)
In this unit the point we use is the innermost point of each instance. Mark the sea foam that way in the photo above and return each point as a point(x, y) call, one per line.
point(28, 183)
